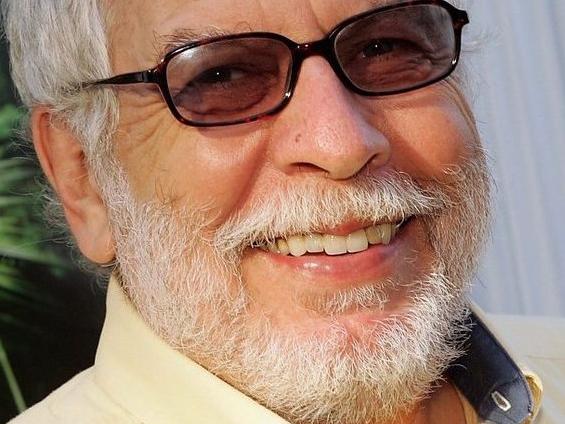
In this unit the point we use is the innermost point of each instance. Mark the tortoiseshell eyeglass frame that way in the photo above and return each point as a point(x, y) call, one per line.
point(299, 52)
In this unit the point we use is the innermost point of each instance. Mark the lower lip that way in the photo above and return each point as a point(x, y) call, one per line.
point(376, 262)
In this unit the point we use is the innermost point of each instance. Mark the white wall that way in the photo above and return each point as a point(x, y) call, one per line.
point(521, 112)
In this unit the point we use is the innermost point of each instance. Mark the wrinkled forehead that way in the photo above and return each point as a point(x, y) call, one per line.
point(138, 36)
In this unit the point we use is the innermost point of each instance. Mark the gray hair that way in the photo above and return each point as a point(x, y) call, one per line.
point(55, 46)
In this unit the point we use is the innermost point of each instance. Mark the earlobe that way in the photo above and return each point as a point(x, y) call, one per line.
point(63, 162)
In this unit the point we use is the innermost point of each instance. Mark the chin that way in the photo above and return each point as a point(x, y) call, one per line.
point(357, 365)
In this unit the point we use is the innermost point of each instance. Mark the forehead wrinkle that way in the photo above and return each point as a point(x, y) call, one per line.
point(382, 3)
point(164, 43)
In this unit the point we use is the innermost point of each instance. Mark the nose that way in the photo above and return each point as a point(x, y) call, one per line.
point(325, 129)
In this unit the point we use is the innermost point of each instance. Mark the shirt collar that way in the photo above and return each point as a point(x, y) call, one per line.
point(159, 385)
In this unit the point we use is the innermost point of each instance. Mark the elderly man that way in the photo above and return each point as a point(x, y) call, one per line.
point(291, 197)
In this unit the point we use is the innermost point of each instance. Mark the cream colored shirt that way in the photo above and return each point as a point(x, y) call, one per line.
point(137, 378)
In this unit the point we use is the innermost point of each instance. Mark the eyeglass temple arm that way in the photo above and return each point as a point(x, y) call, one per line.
point(147, 76)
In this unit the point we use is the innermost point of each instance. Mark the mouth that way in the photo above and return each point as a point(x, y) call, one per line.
point(332, 244)
point(338, 259)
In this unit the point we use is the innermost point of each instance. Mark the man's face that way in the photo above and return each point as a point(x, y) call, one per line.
point(327, 167)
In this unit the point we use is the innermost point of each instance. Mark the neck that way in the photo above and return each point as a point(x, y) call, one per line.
point(443, 406)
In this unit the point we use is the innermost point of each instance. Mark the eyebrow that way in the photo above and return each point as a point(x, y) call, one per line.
point(165, 43)
point(384, 3)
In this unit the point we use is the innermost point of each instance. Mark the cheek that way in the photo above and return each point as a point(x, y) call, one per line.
point(186, 167)
point(431, 137)
point(216, 174)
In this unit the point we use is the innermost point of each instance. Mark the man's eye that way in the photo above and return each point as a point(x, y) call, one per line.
point(378, 47)
point(218, 76)
point(384, 46)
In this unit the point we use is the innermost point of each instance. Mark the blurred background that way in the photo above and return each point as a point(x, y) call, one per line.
point(51, 313)
point(520, 106)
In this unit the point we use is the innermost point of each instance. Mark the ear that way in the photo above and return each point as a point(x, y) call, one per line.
point(63, 162)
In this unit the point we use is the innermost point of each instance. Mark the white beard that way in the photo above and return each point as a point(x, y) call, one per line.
point(186, 283)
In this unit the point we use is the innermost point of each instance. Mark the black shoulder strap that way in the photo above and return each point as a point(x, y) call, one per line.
point(490, 379)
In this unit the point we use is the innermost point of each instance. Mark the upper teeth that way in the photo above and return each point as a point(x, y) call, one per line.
point(357, 241)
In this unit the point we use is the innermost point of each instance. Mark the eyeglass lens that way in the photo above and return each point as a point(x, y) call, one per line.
point(237, 79)
point(229, 80)
point(398, 49)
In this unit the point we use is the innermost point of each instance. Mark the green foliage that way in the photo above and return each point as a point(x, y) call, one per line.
point(9, 116)
point(20, 230)
point(11, 379)
point(50, 313)
point(17, 236)
point(20, 235)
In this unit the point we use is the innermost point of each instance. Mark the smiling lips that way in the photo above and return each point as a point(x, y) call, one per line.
point(333, 245)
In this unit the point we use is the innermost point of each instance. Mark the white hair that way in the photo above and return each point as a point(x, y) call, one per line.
point(54, 47)
point(192, 291)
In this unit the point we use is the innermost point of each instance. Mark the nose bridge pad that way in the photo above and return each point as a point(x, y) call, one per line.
point(322, 48)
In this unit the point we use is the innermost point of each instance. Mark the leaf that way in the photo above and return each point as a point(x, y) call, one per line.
point(10, 201)
point(9, 117)
point(11, 379)
point(30, 255)
point(8, 179)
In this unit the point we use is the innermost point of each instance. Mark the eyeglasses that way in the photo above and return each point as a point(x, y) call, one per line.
point(240, 78)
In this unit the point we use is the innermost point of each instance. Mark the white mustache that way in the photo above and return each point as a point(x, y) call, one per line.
point(310, 206)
